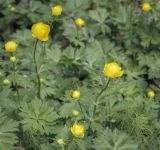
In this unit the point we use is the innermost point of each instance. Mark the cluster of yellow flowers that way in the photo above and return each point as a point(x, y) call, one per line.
point(10, 47)
point(41, 32)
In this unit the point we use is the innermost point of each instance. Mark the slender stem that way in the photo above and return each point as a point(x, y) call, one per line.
point(76, 47)
point(103, 89)
point(97, 97)
point(15, 84)
point(81, 109)
point(36, 68)
point(62, 147)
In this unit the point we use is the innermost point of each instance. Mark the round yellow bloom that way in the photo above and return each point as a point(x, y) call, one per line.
point(60, 141)
point(112, 70)
point(13, 59)
point(10, 46)
point(75, 113)
point(146, 7)
point(75, 95)
point(57, 10)
point(151, 93)
point(79, 22)
point(78, 130)
point(6, 82)
point(41, 31)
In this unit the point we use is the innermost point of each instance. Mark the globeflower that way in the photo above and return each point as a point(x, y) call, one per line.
point(11, 46)
point(75, 95)
point(60, 141)
point(75, 113)
point(6, 82)
point(79, 22)
point(151, 93)
point(78, 130)
point(146, 7)
point(13, 59)
point(40, 31)
point(112, 70)
point(57, 10)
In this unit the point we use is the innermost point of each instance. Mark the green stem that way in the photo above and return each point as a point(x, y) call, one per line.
point(97, 97)
point(100, 93)
point(16, 86)
point(81, 109)
point(76, 46)
point(36, 68)
point(62, 147)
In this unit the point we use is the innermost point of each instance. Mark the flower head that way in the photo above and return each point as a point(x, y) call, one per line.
point(78, 130)
point(13, 9)
point(151, 93)
point(6, 82)
point(146, 7)
point(60, 141)
point(57, 10)
point(75, 113)
point(75, 95)
point(10, 46)
point(41, 31)
point(13, 59)
point(112, 70)
point(79, 22)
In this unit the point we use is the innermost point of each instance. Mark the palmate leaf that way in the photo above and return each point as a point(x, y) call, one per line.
point(37, 116)
point(8, 128)
point(114, 140)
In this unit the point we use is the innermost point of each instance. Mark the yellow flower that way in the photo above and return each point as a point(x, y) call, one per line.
point(75, 113)
point(151, 93)
point(13, 9)
point(13, 59)
point(78, 130)
point(75, 95)
point(60, 141)
point(57, 10)
point(112, 70)
point(41, 31)
point(146, 7)
point(79, 22)
point(6, 82)
point(10, 46)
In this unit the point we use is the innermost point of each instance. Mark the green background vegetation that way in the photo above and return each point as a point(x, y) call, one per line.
point(125, 119)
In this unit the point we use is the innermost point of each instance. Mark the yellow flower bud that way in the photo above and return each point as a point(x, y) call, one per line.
point(75, 95)
point(79, 22)
point(41, 31)
point(151, 93)
point(6, 82)
point(75, 113)
point(146, 7)
point(60, 141)
point(10, 46)
point(13, 9)
point(57, 10)
point(112, 70)
point(78, 130)
point(13, 59)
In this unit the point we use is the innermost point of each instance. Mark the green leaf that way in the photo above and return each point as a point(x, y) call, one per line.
point(114, 140)
point(37, 116)
point(8, 127)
